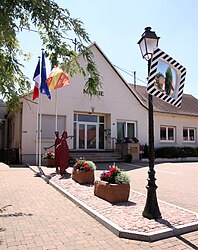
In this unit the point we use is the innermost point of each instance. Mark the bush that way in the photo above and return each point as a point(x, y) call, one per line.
point(83, 165)
point(145, 153)
point(115, 176)
point(176, 152)
point(128, 158)
point(122, 178)
point(166, 152)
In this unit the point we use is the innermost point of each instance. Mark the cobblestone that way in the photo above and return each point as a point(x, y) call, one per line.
point(35, 216)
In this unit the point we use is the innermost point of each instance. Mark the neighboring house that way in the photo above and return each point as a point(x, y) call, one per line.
point(119, 111)
point(173, 126)
point(2, 124)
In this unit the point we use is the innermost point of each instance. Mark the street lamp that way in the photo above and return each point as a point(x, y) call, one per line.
point(147, 43)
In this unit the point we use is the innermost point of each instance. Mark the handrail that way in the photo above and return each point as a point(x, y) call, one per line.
point(49, 147)
point(45, 148)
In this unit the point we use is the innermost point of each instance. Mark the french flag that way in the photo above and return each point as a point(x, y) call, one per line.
point(37, 80)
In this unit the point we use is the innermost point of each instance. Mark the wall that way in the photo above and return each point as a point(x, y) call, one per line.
point(179, 121)
point(117, 103)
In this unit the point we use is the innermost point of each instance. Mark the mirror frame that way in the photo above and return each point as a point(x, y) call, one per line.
point(180, 71)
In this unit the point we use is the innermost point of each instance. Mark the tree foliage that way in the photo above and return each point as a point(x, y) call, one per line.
point(54, 25)
point(168, 81)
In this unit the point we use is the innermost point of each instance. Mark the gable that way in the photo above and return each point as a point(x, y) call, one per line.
point(113, 92)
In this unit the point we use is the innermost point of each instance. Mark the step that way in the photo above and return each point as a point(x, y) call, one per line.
point(98, 156)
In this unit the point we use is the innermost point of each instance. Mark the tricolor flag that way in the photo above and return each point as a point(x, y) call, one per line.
point(44, 87)
point(37, 79)
point(57, 79)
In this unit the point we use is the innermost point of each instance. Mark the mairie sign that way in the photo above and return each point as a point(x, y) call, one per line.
point(166, 78)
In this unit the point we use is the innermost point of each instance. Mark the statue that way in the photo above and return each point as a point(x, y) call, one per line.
point(57, 141)
point(62, 152)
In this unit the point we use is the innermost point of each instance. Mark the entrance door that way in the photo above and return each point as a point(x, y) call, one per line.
point(89, 132)
point(87, 136)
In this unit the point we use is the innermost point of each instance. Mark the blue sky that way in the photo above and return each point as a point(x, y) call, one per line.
point(116, 26)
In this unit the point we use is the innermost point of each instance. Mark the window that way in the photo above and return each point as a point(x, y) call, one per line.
point(167, 133)
point(48, 126)
point(126, 129)
point(87, 118)
point(189, 134)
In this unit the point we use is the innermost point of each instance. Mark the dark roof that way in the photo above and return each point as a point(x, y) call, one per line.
point(189, 104)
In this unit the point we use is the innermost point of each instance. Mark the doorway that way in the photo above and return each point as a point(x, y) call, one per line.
point(88, 132)
point(87, 136)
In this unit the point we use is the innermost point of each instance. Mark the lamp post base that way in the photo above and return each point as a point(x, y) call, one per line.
point(151, 210)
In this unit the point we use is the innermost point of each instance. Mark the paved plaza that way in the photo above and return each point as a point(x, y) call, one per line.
point(33, 215)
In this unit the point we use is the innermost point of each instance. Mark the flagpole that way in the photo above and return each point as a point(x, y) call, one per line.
point(37, 80)
point(37, 132)
point(56, 110)
point(40, 130)
point(57, 79)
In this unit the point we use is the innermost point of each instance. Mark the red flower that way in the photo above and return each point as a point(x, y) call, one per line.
point(105, 176)
point(87, 167)
point(82, 165)
point(111, 170)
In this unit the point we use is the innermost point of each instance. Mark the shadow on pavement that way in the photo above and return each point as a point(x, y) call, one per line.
point(122, 165)
point(168, 224)
point(16, 214)
point(123, 204)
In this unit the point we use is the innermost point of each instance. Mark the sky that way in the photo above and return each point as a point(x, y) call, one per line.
point(116, 26)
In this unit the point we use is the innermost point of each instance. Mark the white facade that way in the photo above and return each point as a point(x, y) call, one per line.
point(93, 123)
point(116, 103)
point(178, 123)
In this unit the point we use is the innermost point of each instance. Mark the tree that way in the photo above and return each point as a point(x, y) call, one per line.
point(159, 81)
point(168, 81)
point(53, 25)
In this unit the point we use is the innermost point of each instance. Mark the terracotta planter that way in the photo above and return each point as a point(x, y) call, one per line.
point(112, 192)
point(83, 177)
point(50, 163)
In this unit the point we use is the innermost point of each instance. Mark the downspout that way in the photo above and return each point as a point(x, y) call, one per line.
point(20, 133)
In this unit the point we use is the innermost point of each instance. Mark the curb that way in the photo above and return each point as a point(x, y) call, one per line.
point(114, 228)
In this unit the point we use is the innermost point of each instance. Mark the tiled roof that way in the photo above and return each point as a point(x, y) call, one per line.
point(189, 104)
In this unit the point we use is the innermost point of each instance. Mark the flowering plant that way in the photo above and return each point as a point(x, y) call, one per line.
point(49, 155)
point(83, 165)
point(115, 175)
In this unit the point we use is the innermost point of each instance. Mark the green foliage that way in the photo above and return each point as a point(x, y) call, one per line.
point(54, 25)
point(122, 178)
point(176, 152)
point(91, 164)
point(115, 176)
point(83, 165)
point(168, 81)
point(145, 153)
point(128, 158)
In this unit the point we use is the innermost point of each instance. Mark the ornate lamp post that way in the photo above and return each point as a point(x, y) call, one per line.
point(147, 43)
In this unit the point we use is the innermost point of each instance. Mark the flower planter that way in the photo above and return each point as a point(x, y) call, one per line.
point(50, 163)
point(112, 192)
point(83, 177)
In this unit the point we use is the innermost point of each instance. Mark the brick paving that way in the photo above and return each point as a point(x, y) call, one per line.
point(126, 214)
point(33, 215)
